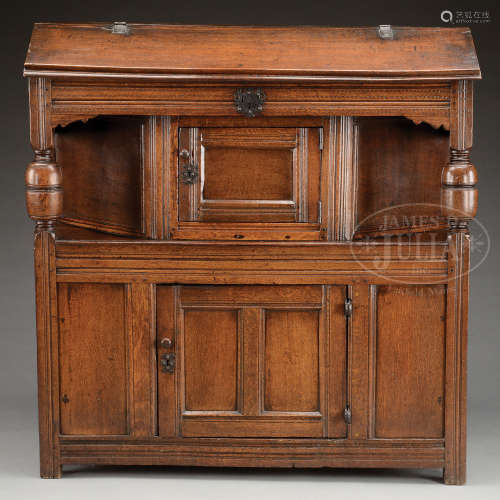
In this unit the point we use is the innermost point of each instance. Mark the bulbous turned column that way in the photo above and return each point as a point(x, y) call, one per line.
point(44, 194)
point(458, 193)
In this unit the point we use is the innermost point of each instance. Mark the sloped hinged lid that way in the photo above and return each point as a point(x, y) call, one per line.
point(201, 52)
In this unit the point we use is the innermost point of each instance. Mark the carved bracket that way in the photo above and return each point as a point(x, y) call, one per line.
point(65, 120)
point(434, 121)
point(249, 102)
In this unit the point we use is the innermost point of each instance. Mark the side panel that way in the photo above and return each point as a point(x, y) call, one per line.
point(408, 361)
point(107, 171)
point(93, 359)
point(399, 168)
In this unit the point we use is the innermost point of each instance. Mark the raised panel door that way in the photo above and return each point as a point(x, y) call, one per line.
point(253, 361)
point(408, 361)
point(93, 359)
point(248, 183)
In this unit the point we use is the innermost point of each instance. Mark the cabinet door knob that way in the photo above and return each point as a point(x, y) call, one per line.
point(166, 343)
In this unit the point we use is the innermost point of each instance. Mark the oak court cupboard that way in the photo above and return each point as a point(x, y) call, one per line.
point(251, 244)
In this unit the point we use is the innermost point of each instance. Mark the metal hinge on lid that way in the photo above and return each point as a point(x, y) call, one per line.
point(120, 28)
point(385, 32)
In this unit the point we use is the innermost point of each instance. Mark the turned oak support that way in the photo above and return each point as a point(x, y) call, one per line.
point(459, 200)
point(44, 204)
point(44, 190)
point(458, 193)
point(459, 176)
point(43, 176)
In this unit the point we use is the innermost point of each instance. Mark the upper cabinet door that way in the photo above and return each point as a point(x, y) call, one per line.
point(248, 183)
point(251, 361)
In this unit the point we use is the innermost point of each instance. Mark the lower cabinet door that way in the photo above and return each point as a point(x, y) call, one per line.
point(251, 361)
point(93, 351)
point(408, 353)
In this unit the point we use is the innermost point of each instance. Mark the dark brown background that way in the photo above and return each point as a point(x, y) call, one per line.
point(17, 333)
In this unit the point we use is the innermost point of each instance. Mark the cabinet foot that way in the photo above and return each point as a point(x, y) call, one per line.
point(55, 473)
point(450, 477)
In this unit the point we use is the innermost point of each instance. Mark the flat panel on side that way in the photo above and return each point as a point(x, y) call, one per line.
point(399, 173)
point(291, 360)
point(211, 360)
point(103, 168)
point(93, 359)
point(409, 361)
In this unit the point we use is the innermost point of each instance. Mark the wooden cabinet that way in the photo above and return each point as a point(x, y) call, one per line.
point(250, 253)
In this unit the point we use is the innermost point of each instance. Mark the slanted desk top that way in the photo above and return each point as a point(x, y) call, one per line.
point(208, 51)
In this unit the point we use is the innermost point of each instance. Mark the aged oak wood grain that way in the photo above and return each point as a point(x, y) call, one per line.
point(253, 50)
point(93, 341)
point(407, 362)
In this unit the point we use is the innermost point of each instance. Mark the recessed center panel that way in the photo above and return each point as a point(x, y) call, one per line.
point(244, 174)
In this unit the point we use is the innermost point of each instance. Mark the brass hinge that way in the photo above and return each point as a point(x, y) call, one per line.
point(321, 139)
point(347, 414)
point(348, 307)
